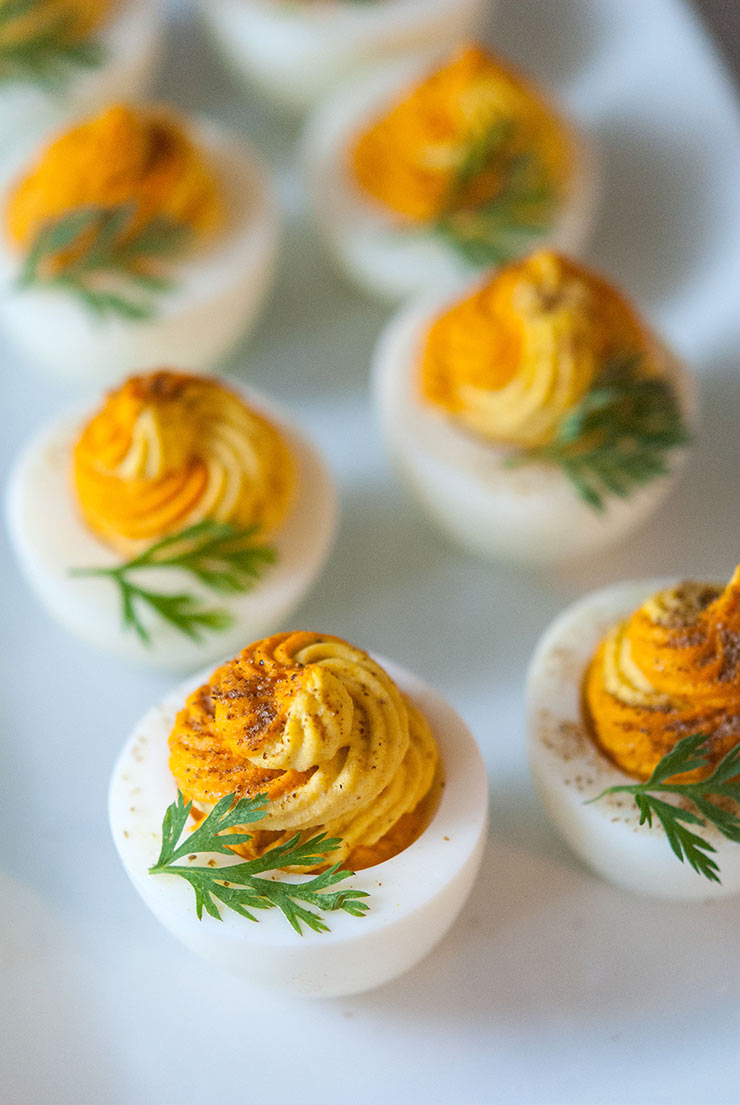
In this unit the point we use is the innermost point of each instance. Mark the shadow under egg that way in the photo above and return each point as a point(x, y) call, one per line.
point(322, 337)
point(553, 43)
point(542, 949)
point(695, 533)
point(382, 549)
point(657, 224)
point(197, 80)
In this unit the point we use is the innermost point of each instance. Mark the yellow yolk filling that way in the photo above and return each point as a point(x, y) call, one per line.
point(129, 157)
point(410, 158)
point(669, 670)
point(321, 729)
point(68, 20)
point(511, 360)
point(168, 450)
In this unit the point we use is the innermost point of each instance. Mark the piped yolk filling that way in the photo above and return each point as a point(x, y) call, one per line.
point(134, 158)
point(454, 136)
point(68, 21)
point(670, 670)
point(321, 729)
point(167, 450)
point(511, 360)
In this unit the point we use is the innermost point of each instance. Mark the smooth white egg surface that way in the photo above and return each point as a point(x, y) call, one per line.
point(373, 248)
point(219, 287)
point(414, 897)
point(50, 540)
point(569, 768)
point(529, 513)
point(131, 41)
point(295, 51)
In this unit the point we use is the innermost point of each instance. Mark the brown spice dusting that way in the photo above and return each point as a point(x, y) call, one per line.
point(685, 644)
point(235, 724)
point(730, 644)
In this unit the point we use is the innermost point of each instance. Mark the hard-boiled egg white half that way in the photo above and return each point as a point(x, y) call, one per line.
point(569, 768)
point(130, 41)
point(295, 51)
point(218, 288)
point(382, 256)
point(50, 540)
point(530, 513)
point(414, 897)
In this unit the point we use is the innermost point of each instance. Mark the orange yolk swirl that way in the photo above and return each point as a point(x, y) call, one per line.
point(511, 360)
point(67, 20)
point(322, 730)
point(137, 158)
point(669, 670)
point(168, 450)
point(410, 158)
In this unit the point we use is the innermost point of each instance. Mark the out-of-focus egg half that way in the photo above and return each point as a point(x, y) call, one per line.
point(295, 50)
point(164, 453)
point(537, 418)
point(425, 172)
point(136, 238)
point(62, 58)
point(354, 747)
point(614, 683)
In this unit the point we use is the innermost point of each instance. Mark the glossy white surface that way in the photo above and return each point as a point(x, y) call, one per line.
point(51, 540)
point(526, 515)
point(294, 52)
point(219, 288)
point(553, 988)
point(132, 41)
point(363, 237)
point(570, 770)
point(413, 897)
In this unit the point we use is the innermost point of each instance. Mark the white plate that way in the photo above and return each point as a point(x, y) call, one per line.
point(553, 987)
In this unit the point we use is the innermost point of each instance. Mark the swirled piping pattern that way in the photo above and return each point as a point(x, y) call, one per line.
point(320, 728)
point(511, 360)
point(669, 670)
point(409, 157)
point(168, 450)
point(134, 157)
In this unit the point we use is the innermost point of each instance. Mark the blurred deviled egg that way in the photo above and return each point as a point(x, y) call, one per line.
point(423, 173)
point(634, 732)
point(177, 521)
point(135, 238)
point(294, 50)
point(301, 735)
point(537, 418)
point(62, 58)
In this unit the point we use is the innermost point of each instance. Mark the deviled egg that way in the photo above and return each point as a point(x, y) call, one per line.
point(615, 683)
point(425, 172)
point(136, 238)
point(294, 50)
point(537, 418)
point(337, 743)
point(62, 58)
point(177, 521)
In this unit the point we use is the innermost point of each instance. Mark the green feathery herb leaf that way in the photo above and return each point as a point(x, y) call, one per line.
point(104, 258)
point(238, 887)
point(221, 556)
point(618, 437)
point(512, 220)
point(46, 57)
point(690, 754)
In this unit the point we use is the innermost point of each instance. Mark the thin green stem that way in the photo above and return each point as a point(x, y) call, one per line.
point(222, 557)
